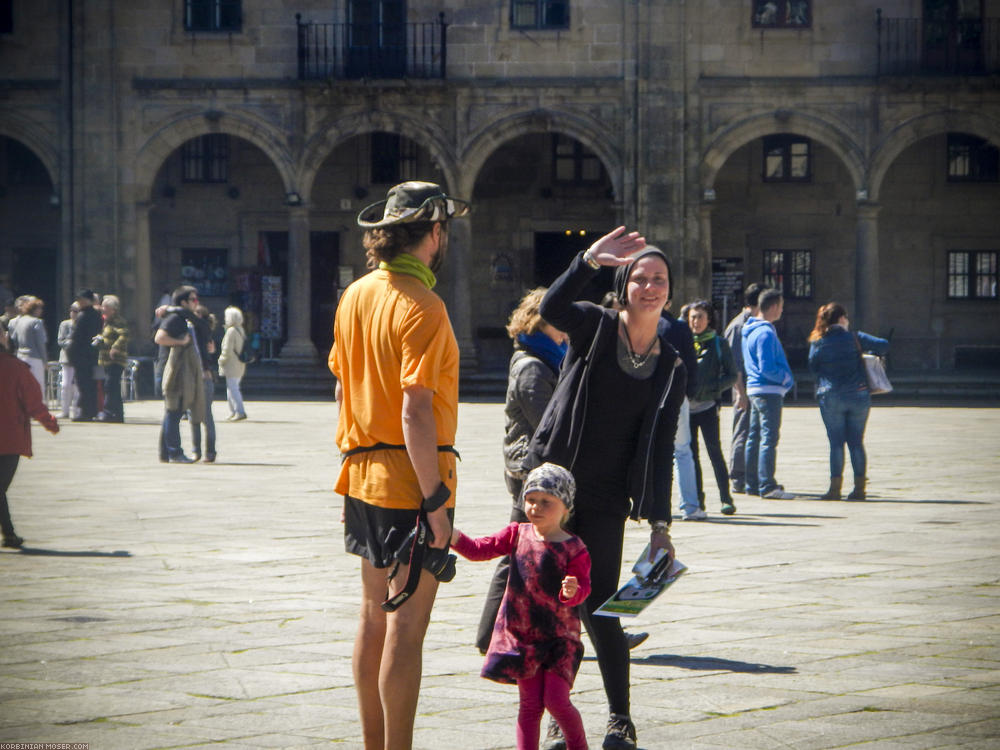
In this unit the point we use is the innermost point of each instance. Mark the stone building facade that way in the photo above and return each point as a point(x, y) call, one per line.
point(844, 150)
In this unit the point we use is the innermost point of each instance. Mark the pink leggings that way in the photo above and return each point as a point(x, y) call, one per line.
point(547, 691)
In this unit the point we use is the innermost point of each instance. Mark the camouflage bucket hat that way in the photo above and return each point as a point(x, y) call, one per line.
point(552, 479)
point(413, 201)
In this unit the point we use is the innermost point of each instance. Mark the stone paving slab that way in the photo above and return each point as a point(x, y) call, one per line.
point(166, 606)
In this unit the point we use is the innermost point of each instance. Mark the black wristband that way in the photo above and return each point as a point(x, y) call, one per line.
point(439, 498)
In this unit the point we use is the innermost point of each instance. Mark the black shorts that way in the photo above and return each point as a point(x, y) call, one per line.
point(366, 526)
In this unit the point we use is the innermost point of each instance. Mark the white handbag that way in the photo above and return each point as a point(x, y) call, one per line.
point(878, 381)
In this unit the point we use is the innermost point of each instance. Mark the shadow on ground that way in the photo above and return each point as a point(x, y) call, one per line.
point(711, 664)
point(41, 552)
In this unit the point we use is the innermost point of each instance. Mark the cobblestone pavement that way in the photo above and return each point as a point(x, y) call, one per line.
point(182, 606)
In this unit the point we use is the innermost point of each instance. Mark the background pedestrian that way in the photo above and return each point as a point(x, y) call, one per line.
point(28, 332)
point(534, 369)
point(842, 392)
point(20, 401)
point(112, 356)
point(715, 373)
point(231, 367)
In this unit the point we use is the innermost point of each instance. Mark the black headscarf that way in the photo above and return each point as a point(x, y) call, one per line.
point(623, 272)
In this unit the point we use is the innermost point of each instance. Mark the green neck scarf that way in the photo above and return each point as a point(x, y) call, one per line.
point(406, 263)
point(700, 339)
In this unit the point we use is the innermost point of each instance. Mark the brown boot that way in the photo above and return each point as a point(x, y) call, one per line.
point(858, 493)
point(834, 492)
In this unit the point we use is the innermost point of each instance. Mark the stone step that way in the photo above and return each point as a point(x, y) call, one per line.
point(314, 380)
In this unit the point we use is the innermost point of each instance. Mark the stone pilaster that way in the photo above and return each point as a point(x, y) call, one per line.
point(866, 293)
point(299, 348)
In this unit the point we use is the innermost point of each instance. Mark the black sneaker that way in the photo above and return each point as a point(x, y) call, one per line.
point(620, 734)
point(15, 542)
point(554, 739)
point(634, 639)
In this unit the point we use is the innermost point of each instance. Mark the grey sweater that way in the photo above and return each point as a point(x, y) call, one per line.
point(28, 332)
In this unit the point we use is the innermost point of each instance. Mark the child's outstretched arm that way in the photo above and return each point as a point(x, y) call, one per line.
point(485, 547)
point(578, 571)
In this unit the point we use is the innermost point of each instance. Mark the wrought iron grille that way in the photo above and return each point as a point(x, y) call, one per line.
point(372, 50)
point(915, 46)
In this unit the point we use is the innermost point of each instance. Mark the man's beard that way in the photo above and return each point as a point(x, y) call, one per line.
point(438, 260)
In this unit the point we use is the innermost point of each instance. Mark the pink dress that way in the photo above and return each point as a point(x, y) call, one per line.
point(536, 628)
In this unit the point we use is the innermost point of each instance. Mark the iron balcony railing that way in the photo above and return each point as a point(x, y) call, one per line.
point(916, 46)
point(372, 50)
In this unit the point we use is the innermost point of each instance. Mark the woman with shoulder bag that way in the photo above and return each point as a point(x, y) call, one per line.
point(231, 366)
point(715, 373)
point(835, 358)
point(611, 421)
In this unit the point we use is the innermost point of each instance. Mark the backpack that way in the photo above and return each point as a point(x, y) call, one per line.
point(247, 352)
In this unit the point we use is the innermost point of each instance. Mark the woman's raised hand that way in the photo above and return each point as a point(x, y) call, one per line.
point(616, 247)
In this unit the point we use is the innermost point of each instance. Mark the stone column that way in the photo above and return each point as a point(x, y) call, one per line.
point(299, 348)
point(143, 295)
point(705, 209)
point(459, 250)
point(866, 313)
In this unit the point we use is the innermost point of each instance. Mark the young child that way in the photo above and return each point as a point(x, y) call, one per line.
point(536, 640)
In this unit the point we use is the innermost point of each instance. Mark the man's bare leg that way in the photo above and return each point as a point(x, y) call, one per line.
point(367, 661)
point(388, 651)
point(402, 659)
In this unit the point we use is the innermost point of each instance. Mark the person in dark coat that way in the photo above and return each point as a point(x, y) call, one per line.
point(534, 368)
point(20, 400)
point(611, 421)
point(83, 354)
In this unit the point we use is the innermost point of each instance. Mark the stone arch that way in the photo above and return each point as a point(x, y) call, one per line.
point(573, 124)
point(740, 133)
point(334, 132)
point(915, 129)
point(155, 151)
point(36, 138)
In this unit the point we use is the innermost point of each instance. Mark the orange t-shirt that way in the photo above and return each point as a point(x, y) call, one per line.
point(391, 332)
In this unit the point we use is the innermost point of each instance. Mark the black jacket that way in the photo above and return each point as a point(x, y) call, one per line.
point(679, 335)
point(81, 352)
point(593, 333)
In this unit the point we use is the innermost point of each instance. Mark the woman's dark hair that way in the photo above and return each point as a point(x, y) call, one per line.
point(828, 315)
point(624, 273)
point(752, 294)
point(385, 243)
point(700, 304)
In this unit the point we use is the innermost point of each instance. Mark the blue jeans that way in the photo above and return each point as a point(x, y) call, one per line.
point(170, 435)
point(845, 417)
point(762, 442)
point(687, 482)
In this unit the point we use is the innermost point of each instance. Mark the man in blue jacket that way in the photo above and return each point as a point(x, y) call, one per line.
point(768, 379)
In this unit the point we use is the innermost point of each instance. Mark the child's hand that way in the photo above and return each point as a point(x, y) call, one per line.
point(454, 536)
point(569, 587)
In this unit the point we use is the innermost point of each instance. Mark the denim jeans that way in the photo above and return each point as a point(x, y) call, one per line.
point(738, 447)
point(170, 435)
point(762, 442)
point(684, 462)
point(845, 417)
point(235, 397)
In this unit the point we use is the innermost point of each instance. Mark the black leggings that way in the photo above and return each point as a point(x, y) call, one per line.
point(8, 465)
point(708, 422)
point(603, 534)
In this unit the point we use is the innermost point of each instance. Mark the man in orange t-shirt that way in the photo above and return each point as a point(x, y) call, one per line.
point(396, 362)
